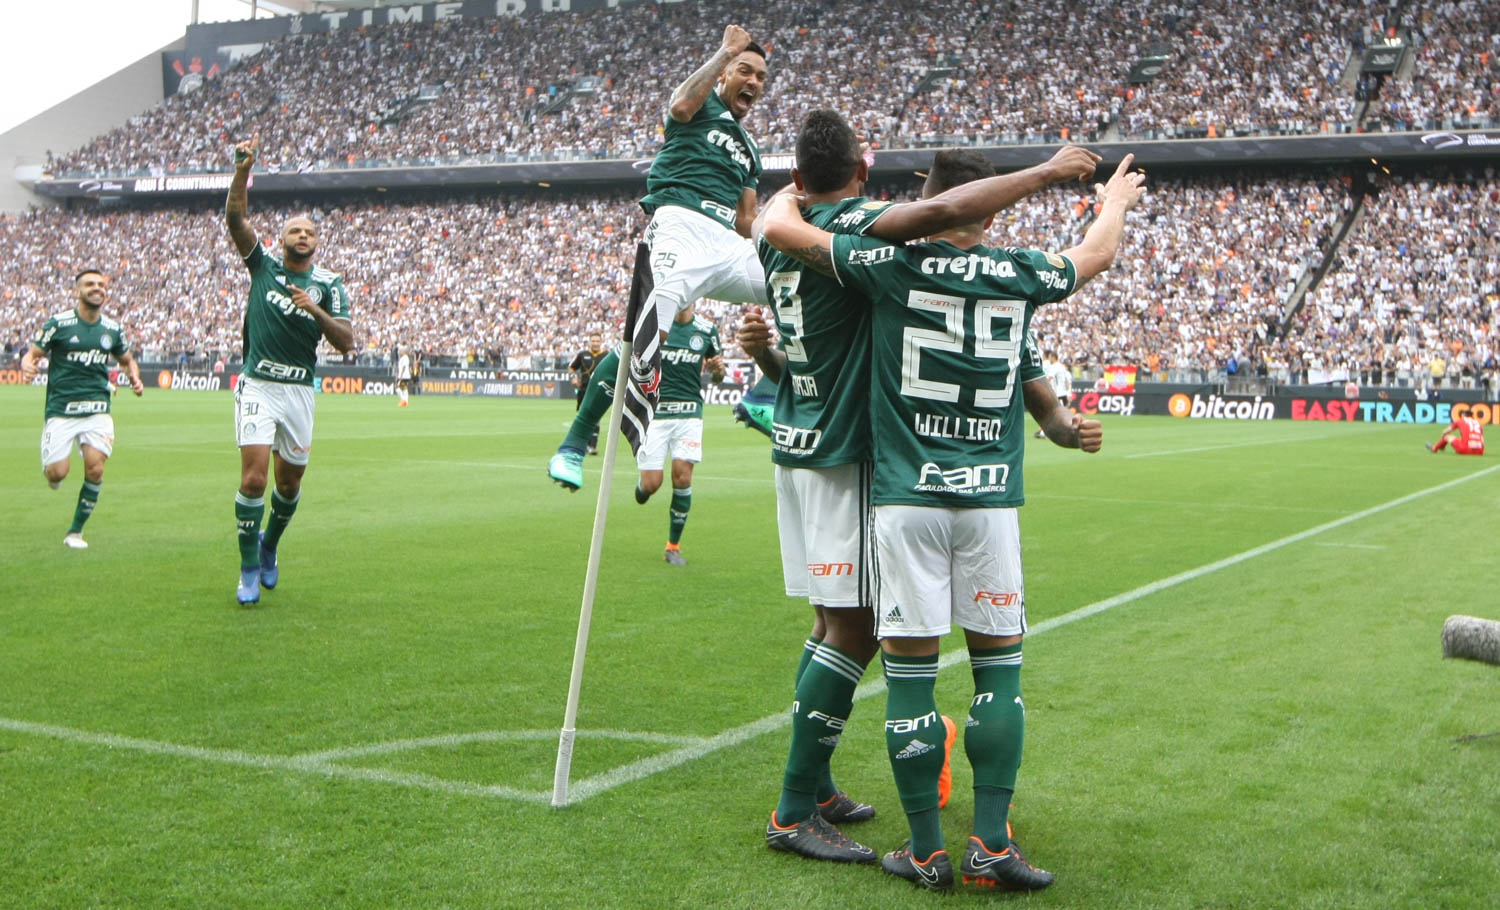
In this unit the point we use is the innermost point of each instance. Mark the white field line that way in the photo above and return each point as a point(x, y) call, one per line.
point(1038, 497)
point(691, 750)
point(1233, 445)
point(275, 762)
point(491, 736)
point(1355, 546)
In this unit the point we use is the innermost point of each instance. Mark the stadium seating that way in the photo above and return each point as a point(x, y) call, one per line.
point(908, 72)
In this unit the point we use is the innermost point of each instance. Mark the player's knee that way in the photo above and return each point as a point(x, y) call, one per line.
point(651, 482)
point(56, 471)
point(253, 483)
point(94, 473)
point(852, 630)
point(288, 489)
point(682, 475)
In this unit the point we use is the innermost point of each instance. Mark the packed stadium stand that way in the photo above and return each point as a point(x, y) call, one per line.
point(1291, 274)
point(908, 73)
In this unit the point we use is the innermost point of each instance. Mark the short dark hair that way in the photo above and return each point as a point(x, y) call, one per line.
point(827, 151)
point(955, 167)
point(754, 48)
point(79, 277)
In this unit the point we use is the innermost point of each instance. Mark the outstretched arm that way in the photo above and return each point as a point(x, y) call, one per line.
point(238, 202)
point(691, 94)
point(1097, 251)
point(1070, 431)
point(973, 202)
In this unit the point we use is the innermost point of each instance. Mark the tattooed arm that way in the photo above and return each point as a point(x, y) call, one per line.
point(691, 94)
point(786, 231)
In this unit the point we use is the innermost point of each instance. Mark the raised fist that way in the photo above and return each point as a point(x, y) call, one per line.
point(736, 40)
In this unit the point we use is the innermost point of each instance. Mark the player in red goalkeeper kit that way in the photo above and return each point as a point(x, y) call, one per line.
point(1466, 434)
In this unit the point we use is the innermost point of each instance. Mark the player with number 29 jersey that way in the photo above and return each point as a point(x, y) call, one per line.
point(949, 339)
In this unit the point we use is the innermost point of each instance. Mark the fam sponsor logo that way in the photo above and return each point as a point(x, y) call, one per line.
point(1096, 403)
point(1215, 407)
point(795, 440)
point(998, 598)
point(829, 569)
point(968, 479)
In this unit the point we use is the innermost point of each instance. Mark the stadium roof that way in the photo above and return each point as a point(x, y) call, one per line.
point(293, 7)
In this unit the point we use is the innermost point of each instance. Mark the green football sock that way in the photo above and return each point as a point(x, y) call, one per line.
point(808, 647)
point(247, 515)
point(88, 497)
point(993, 737)
point(282, 511)
point(596, 402)
point(825, 695)
point(682, 501)
point(914, 735)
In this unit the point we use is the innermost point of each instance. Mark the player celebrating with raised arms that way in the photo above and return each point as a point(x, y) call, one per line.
point(949, 331)
point(293, 305)
point(821, 446)
point(78, 345)
point(700, 194)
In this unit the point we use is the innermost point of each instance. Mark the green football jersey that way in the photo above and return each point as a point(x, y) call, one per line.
point(78, 355)
point(704, 165)
point(688, 345)
point(280, 340)
point(822, 415)
point(949, 330)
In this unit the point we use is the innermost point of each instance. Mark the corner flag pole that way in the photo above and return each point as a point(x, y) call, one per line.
point(590, 583)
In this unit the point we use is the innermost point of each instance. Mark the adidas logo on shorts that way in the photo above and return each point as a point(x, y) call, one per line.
point(914, 748)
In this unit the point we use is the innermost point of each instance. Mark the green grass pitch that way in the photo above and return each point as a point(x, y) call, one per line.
point(1267, 728)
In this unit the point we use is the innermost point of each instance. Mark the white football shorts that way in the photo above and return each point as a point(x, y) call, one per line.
point(681, 439)
point(60, 435)
point(275, 414)
point(939, 567)
point(694, 256)
point(823, 515)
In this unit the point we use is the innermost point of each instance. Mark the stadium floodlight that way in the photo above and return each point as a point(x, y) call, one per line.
point(590, 583)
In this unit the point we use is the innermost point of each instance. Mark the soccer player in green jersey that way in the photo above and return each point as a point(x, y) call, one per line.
point(78, 345)
point(700, 194)
point(692, 346)
point(949, 329)
point(821, 446)
point(293, 305)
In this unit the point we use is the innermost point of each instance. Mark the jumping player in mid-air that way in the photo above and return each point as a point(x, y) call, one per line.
point(700, 194)
point(293, 305)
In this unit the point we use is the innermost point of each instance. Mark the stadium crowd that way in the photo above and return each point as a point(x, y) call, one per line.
point(1412, 307)
point(1455, 79)
point(1201, 286)
point(907, 72)
point(1200, 290)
